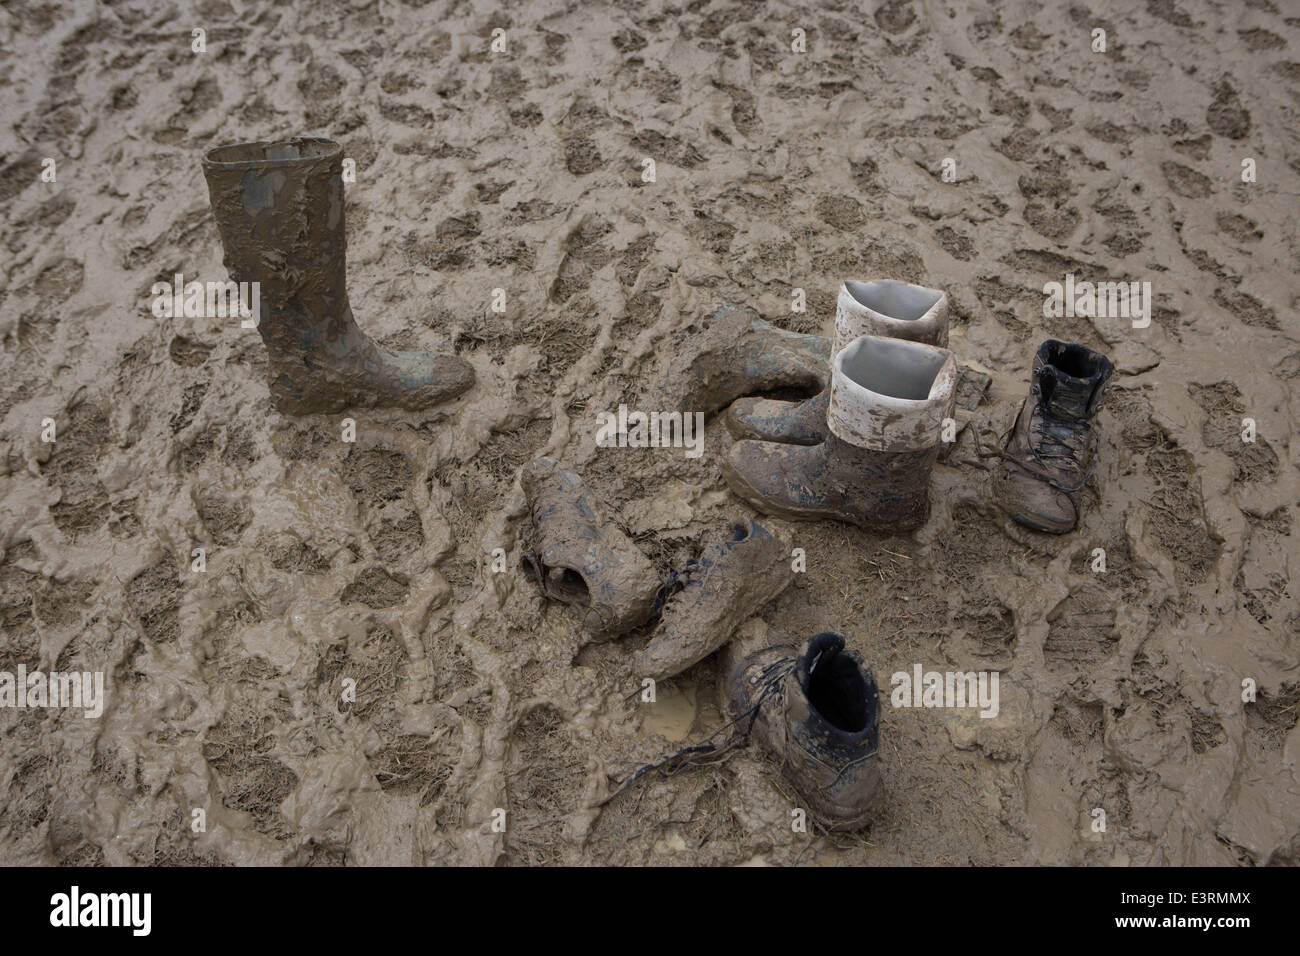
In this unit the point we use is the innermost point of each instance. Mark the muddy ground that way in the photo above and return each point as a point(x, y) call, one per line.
point(775, 170)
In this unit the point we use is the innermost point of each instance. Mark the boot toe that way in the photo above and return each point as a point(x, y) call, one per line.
point(1034, 503)
point(429, 378)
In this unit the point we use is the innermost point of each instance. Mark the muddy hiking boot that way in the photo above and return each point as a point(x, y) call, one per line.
point(726, 586)
point(883, 308)
point(279, 209)
point(884, 420)
point(816, 711)
point(735, 353)
point(1049, 454)
point(581, 556)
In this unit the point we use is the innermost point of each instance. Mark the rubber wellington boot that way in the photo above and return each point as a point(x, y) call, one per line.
point(727, 585)
point(816, 711)
point(884, 308)
point(279, 209)
point(1051, 449)
point(888, 401)
point(582, 558)
point(737, 353)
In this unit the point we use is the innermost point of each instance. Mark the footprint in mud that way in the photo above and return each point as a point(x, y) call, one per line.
point(290, 553)
point(1226, 116)
point(1081, 630)
point(224, 517)
point(584, 255)
point(982, 629)
point(1272, 717)
point(545, 783)
point(1239, 227)
point(1246, 308)
point(82, 434)
point(1176, 518)
point(376, 588)
point(476, 487)
point(1221, 402)
point(381, 481)
point(1185, 181)
point(250, 779)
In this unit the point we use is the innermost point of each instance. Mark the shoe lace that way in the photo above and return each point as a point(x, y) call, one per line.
point(771, 685)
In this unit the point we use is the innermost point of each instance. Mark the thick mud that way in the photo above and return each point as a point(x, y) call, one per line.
point(350, 682)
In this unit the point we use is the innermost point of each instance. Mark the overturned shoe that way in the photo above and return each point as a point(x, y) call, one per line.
point(726, 587)
point(1051, 449)
point(888, 401)
point(737, 353)
point(816, 711)
point(582, 558)
point(883, 308)
point(279, 209)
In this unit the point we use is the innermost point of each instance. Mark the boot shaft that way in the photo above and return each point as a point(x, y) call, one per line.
point(892, 309)
point(279, 210)
point(890, 395)
point(1068, 381)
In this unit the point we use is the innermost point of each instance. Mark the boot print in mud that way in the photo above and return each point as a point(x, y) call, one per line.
point(888, 400)
point(816, 711)
point(1051, 449)
point(279, 209)
point(885, 308)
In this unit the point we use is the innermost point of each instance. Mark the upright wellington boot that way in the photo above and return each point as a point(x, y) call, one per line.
point(726, 587)
point(1051, 449)
point(816, 711)
point(888, 400)
point(279, 209)
point(884, 308)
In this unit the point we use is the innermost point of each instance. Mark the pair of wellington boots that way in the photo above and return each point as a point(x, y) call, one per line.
point(863, 449)
point(815, 711)
point(279, 210)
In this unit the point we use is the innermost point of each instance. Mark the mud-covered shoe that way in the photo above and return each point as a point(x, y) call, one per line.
point(888, 401)
point(279, 210)
point(816, 711)
point(884, 308)
point(735, 353)
point(1049, 454)
point(581, 556)
point(727, 585)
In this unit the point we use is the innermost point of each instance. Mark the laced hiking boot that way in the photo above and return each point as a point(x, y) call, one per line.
point(816, 711)
point(279, 210)
point(883, 308)
point(1050, 452)
point(888, 401)
point(582, 557)
point(726, 587)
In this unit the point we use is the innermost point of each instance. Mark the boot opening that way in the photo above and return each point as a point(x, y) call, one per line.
point(1076, 361)
point(280, 151)
point(569, 586)
point(892, 367)
point(898, 300)
point(835, 685)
